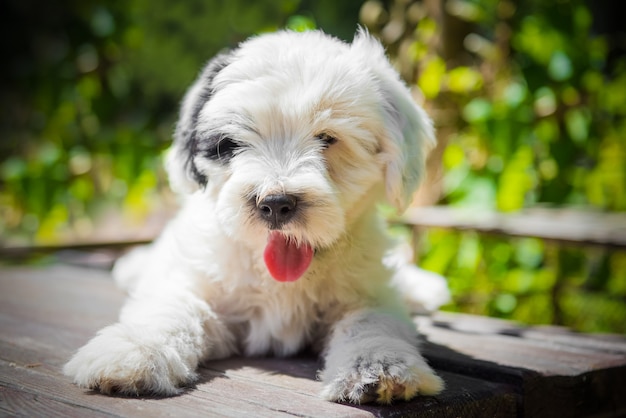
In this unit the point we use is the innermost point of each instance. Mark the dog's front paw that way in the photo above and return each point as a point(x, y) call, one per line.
point(382, 378)
point(123, 360)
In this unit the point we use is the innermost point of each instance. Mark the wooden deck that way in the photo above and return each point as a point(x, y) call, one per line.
point(492, 368)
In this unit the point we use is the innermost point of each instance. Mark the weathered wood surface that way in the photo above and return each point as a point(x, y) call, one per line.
point(560, 225)
point(492, 368)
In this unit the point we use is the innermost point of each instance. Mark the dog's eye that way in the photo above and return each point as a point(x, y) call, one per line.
point(223, 149)
point(327, 139)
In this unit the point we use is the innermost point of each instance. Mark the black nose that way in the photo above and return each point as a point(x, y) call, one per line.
point(277, 209)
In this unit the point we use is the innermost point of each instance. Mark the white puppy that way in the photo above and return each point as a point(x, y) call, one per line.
point(283, 148)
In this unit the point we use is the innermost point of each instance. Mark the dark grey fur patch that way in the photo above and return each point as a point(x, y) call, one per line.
point(188, 133)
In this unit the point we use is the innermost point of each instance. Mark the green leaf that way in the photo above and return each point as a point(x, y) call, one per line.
point(13, 169)
point(529, 253)
point(560, 66)
point(453, 156)
point(514, 94)
point(545, 101)
point(431, 77)
point(577, 125)
point(464, 80)
point(505, 303)
point(102, 22)
point(300, 23)
point(477, 110)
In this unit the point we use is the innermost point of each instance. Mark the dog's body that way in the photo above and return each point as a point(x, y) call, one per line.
point(282, 151)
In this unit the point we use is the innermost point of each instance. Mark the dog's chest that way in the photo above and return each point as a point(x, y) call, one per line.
point(270, 319)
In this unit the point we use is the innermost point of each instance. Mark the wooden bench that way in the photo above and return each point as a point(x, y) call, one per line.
point(562, 226)
point(492, 368)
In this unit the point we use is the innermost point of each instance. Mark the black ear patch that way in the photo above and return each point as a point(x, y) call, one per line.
point(186, 137)
point(217, 64)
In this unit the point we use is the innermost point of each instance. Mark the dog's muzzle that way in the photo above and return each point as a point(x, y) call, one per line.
point(286, 259)
point(277, 209)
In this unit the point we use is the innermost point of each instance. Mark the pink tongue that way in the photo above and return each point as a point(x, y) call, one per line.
point(285, 261)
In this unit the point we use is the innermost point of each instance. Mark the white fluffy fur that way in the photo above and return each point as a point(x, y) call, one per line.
point(202, 291)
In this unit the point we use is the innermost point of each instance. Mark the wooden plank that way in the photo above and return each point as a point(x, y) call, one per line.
point(14, 402)
point(115, 247)
point(39, 309)
point(567, 226)
point(61, 306)
point(36, 315)
point(51, 287)
point(240, 392)
point(554, 378)
point(464, 396)
point(61, 390)
point(284, 385)
point(215, 392)
point(556, 335)
point(492, 367)
point(536, 355)
point(298, 397)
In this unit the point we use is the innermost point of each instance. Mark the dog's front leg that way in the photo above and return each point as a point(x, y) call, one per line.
point(155, 348)
point(374, 356)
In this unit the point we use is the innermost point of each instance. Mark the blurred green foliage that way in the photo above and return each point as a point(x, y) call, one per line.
point(529, 99)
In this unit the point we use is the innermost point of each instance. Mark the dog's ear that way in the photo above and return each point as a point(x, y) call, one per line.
point(409, 133)
point(410, 136)
point(183, 174)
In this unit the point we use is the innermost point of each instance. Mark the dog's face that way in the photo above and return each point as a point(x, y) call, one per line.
point(293, 135)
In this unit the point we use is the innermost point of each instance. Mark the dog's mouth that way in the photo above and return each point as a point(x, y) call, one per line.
point(285, 259)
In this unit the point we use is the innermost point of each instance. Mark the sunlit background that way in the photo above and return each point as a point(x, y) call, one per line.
point(529, 99)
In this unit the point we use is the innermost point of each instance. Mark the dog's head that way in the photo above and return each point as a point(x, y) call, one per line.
point(292, 135)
